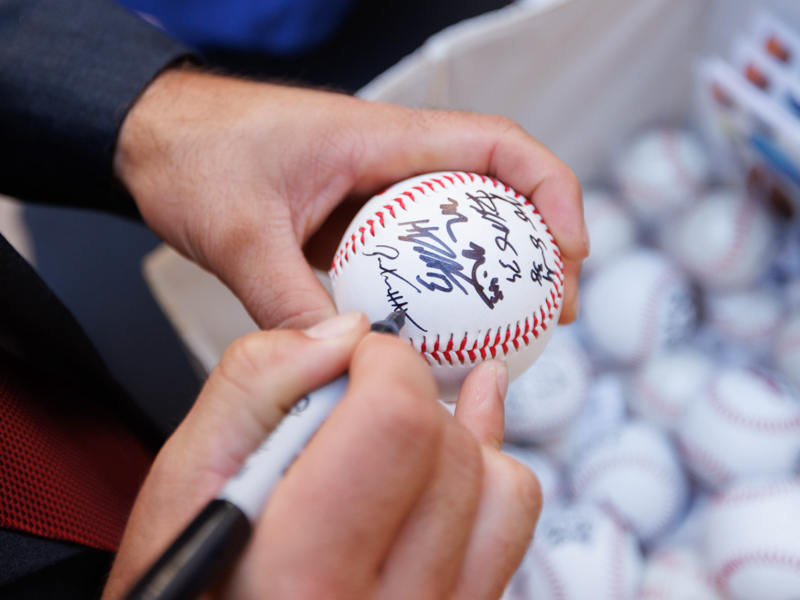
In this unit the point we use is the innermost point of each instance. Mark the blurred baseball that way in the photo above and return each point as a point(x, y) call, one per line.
point(580, 552)
point(546, 398)
point(665, 385)
point(745, 424)
point(468, 260)
point(786, 349)
point(677, 574)
point(636, 473)
point(637, 305)
point(662, 170)
point(602, 413)
point(545, 469)
point(611, 230)
point(753, 540)
point(748, 318)
point(726, 240)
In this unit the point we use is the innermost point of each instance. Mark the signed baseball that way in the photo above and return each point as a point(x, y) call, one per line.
point(580, 552)
point(726, 240)
point(752, 540)
point(744, 424)
point(667, 384)
point(637, 305)
point(662, 170)
point(636, 473)
point(543, 402)
point(468, 260)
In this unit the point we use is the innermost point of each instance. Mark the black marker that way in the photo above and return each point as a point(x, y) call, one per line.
point(209, 546)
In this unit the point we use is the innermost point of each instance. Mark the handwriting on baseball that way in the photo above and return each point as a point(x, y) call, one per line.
point(452, 262)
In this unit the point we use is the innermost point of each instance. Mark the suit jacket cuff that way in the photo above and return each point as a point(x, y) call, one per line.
point(69, 72)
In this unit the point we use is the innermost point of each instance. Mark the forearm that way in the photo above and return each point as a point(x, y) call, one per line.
point(69, 72)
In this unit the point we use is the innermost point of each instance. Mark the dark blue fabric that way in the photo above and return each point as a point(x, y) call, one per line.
point(280, 27)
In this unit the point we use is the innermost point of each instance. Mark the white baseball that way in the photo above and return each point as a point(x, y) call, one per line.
point(752, 540)
point(636, 473)
point(637, 305)
point(468, 260)
point(726, 240)
point(786, 349)
point(602, 413)
point(692, 527)
point(665, 385)
point(745, 424)
point(662, 170)
point(677, 574)
point(612, 231)
point(546, 398)
point(580, 552)
point(546, 470)
point(749, 318)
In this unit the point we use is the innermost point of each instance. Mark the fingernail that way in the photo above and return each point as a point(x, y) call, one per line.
point(586, 240)
point(501, 376)
point(334, 327)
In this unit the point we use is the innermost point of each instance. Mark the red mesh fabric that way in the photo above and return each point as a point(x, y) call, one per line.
point(68, 470)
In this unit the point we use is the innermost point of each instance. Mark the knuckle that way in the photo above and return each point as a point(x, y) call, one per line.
point(527, 491)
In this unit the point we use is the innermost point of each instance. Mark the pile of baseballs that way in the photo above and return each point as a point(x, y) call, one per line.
point(664, 425)
point(670, 412)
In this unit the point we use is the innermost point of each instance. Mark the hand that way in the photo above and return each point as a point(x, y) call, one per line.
point(238, 176)
point(392, 498)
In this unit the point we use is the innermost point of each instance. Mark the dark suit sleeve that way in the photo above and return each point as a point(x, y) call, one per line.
point(69, 72)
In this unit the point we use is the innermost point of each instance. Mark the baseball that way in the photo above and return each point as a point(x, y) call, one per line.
point(786, 349)
point(677, 574)
point(662, 170)
point(611, 230)
point(636, 473)
point(745, 424)
point(602, 413)
point(665, 385)
point(726, 240)
point(546, 398)
point(752, 541)
point(545, 469)
point(580, 552)
point(747, 318)
point(637, 305)
point(468, 260)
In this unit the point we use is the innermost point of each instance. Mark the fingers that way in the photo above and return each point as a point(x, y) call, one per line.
point(329, 527)
point(480, 402)
point(510, 506)
point(426, 557)
point(414, 142)
point(258, 379)
point(572, 273)
point(278, 286)
point(511, 498)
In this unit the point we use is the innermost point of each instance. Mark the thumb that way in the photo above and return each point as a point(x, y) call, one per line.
point(279, 288)
point(480, 405)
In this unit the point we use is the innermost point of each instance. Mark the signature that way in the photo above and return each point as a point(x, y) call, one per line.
point(541, 271)
point(446, 272)
point(396, 299)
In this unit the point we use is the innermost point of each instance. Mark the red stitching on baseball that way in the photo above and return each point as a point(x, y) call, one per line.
point(705, 464)
point(550, 573)
point(651, 397)
point(731, 415)
point(650, 318)
point(743, 218)
point(746, 559)
point(645, 463)
point(753, 494)
point(670, 145)
point(342, 257)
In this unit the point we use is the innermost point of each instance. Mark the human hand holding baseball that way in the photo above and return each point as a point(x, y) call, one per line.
point(241, 176)
point(393, 498)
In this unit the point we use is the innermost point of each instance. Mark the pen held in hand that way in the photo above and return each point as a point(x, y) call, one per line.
point(211, 543)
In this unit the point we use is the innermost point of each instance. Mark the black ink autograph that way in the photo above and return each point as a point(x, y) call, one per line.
point(540, 271)
point(446, 273)
point(396, 299)
point(451, 210)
